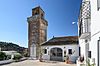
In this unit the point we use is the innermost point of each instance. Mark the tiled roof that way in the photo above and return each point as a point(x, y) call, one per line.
point(66, 40)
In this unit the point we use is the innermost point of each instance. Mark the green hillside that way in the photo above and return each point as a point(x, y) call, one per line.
point(11, 46)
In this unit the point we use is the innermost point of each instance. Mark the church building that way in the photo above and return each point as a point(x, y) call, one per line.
point(55, 49)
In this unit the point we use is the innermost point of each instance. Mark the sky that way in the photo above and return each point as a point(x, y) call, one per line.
point(62, 17)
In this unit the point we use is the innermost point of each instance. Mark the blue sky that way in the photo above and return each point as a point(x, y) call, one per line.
point(59, 13)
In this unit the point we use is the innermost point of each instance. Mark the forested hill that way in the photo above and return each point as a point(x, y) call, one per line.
point(5, 46)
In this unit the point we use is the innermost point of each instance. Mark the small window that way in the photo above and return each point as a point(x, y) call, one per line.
point(42, 16)
point(79, 51)
point(45, 51)
point(69, 51)
point(36, 13)
point(98, 4)
point(89, 54)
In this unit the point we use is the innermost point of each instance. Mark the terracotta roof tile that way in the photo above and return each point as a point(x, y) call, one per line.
point(66, 40)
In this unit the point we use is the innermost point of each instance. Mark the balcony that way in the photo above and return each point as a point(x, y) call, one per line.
point(84, 20)
point(84, 28)
point(85, 35)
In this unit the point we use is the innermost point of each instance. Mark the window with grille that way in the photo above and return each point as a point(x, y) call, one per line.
point(69, 51)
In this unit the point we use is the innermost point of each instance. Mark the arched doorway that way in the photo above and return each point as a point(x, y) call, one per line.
point(56, 54)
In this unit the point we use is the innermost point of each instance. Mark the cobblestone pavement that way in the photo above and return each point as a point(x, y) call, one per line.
point(37, 63)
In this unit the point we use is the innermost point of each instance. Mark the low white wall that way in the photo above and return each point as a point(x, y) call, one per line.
point(6, 61)
point(46, 57)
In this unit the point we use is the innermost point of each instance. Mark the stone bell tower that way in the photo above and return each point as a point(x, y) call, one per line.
point(37, 32)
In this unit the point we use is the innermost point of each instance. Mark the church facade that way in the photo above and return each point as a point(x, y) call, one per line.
point(37, 32)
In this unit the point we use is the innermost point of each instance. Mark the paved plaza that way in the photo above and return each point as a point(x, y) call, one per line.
point(37, 63)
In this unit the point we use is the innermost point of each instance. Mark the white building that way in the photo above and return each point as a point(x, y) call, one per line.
point(11, 53)
point(89, 31)
point(58, 48)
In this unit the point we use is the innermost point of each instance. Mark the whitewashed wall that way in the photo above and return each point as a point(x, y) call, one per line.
point(95, 27)
point(73, 47)
point(82, 45)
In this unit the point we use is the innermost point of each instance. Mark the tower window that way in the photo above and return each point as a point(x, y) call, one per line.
point(69, 51)
point(36, 13)
point(42, 16)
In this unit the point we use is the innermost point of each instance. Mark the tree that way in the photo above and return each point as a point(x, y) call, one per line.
point(2, 56)
point(17, 57)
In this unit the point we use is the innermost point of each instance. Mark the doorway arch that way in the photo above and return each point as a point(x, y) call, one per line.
point(56, 54)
